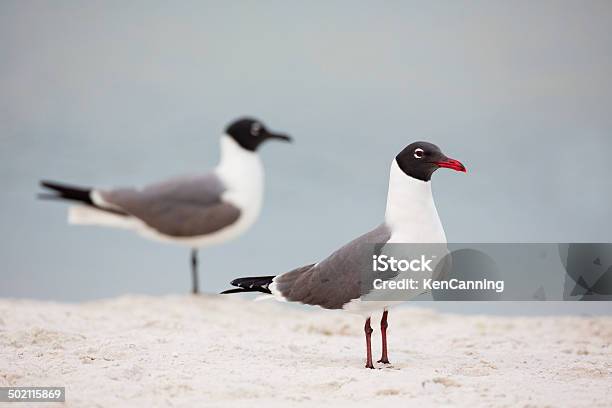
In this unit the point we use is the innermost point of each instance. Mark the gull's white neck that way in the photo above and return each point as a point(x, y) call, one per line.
point(411, 212)
point(242, 173)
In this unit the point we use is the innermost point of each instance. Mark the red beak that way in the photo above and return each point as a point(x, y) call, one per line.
point(452, 164)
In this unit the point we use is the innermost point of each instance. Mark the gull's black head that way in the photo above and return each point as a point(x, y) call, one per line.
point(250, 133)
point(421, 159)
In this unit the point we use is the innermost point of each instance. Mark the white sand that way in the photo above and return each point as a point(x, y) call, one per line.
point(218, 351)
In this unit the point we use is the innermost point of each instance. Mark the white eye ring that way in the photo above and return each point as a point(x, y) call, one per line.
point(255, 128)
point(419, 153)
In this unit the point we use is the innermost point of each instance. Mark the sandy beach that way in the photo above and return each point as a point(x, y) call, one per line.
point(210, 350)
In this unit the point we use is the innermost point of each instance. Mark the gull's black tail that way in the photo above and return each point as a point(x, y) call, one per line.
point(252, 284)
point(66, 192)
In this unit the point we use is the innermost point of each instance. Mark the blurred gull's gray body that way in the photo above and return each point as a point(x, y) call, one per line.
point(195, 210)
point(188, 206)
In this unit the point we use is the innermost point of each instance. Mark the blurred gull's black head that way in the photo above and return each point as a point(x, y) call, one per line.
point(250, 133)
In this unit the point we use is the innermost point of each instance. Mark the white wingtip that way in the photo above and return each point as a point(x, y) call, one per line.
point(83, 215)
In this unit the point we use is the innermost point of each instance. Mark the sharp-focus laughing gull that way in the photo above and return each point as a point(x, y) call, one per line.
point(195, 210)
point(410, 217)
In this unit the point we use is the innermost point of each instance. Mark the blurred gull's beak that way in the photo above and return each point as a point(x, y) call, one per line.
point(277, 136)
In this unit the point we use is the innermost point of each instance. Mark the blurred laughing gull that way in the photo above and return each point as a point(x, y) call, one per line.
point(335, 282)
point(196, 210)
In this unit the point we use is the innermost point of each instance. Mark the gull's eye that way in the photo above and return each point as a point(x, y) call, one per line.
point(255, 129)
point(419, 153)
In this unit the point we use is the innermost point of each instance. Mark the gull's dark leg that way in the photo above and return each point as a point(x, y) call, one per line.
point(383, 330)
point(368, 333)
point(194, 271)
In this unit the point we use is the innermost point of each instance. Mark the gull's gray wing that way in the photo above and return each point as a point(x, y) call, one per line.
point(334, 281)
point(186, 206)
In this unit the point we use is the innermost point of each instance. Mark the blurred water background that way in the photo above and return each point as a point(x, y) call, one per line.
point(119, 93)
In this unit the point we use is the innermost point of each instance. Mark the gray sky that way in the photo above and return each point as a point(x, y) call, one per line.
point(109, 93)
